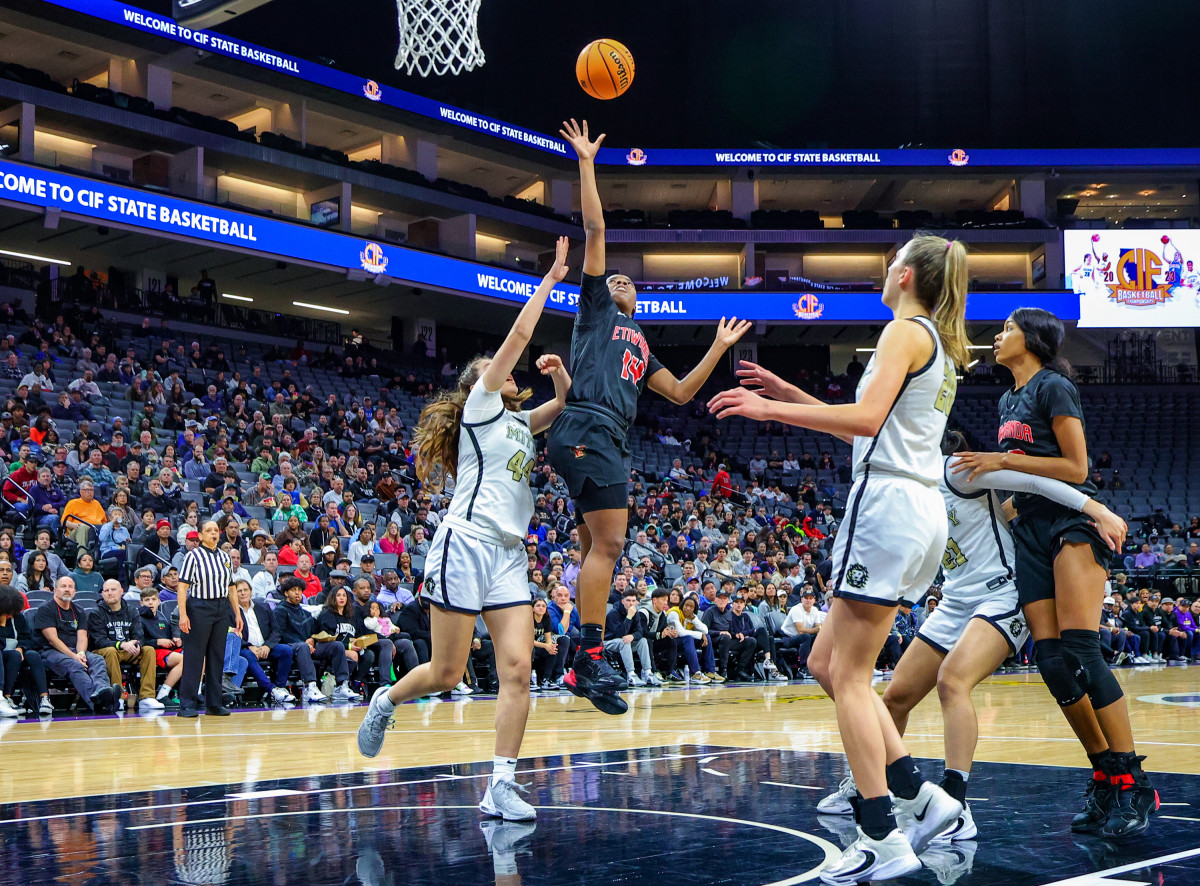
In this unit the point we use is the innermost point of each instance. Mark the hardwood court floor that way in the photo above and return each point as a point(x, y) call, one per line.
point(1019, 724)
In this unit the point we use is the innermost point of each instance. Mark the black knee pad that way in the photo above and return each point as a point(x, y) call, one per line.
point(1060, 670)
point(1102, 687)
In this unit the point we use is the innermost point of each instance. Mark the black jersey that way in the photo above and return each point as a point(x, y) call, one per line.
point(610, 358)
point(1026, 425)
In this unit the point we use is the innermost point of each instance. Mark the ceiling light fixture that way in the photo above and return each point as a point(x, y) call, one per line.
point(312, 307)
point(236, 297)
point(53, 261)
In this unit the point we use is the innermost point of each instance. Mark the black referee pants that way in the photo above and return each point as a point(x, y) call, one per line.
point(204, 643)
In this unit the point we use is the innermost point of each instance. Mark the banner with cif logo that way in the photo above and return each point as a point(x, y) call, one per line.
point(1138, 278)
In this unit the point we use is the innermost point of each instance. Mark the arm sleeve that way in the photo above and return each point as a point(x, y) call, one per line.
point(1017, 481)
point(595, 302)
point(482, 405)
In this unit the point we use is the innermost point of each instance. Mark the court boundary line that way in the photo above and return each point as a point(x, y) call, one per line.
point(1093, 878)
point(436, 779)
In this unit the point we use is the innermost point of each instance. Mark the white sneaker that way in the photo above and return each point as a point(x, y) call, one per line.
point(652, 679)
point(776, 677)
point(950, 862)
point(635, 680)
point(700, 678)
point(461, 689)
point(962, 829)
point(373, 728)
point(868, 859)
point(502, 799)
point(282, 696)
point(344, 693)
point(7, 709)
point(533, 684)
point(315, 695)
point(45, 708)
point(150, 704)
point(838, 803)
point(926, 815)
point(875, 672)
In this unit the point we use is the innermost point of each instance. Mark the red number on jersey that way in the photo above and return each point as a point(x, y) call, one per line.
point(632, 368)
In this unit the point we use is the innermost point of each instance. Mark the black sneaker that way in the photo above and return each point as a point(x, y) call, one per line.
point(103, 702)
point(593, 678)
point(1099, 801)
point(1136, 798)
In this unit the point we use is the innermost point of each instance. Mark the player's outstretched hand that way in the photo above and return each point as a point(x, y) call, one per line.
point(977, 463)
point(763, 381)
point(577, 136)
point(729, 333)
point(558, 271)
point(549, 363)
point(739, 401)
point(1112, 529)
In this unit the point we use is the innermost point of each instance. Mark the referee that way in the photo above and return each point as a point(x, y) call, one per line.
point(207, 610)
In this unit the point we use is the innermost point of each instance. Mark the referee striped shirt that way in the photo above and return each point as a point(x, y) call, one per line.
point(207, 572)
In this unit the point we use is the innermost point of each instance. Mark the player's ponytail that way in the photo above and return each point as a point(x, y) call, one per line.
point(1044, 334)
point(940, 266)
point(435, 440)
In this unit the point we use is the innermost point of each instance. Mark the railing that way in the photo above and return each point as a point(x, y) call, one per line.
point(18, 274)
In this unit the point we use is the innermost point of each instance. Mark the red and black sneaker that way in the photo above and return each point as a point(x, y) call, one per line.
point(593, 678)
point(1136, 798)
point(1099, 801)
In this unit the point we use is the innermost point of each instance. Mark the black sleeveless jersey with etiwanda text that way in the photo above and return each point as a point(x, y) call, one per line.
point(1026, 425)
point(610, 358)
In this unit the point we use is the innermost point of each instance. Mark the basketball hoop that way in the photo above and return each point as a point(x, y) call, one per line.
point(438, 37)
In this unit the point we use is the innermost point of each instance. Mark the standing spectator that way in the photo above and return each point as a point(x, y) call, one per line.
point(205, 603)
point(115, 633)
point(61, 638)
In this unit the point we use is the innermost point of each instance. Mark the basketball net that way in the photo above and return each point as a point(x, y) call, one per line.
point(438, 37)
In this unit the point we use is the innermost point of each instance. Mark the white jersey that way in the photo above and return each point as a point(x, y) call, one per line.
point(910, 440)
point(979, 549)
point(496, 455)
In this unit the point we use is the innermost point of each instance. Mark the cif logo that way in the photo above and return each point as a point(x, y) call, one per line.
point(636, 157)
point(373, 260)
point(1137, 279)
point(959, 157)
point(808, 307)
point(372, 91)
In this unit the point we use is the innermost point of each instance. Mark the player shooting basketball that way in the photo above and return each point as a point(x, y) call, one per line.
point(611, 364)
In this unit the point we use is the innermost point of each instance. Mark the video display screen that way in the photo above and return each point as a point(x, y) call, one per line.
point(1128, 278)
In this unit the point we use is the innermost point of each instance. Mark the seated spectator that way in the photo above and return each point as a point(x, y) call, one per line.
point(163, 634)
point(549, 649)
point(291, 640)
point(266, 580)
point(363, 546)
point(36, 576)
point(41, 542)
point(413, 619)
point(84, 515)
point(623, 628)
point(256, 629)
point(566, 619)
point(801, 627)
point(392, 541)
point(304, 572)
point(160, 549)
point(418, 543)
point(86, 577)
point(719, 619)
point(61, 638)
point(387, 647)
point(114, 536)
point(684, 617)
point(97, 471)
point(18, 657)
point(393, 595)
point(115, 632)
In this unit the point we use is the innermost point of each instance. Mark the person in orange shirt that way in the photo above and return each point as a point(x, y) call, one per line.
point(83, 514)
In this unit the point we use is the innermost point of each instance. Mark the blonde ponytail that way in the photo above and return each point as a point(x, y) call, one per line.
point(940, 267)
point(435, 440)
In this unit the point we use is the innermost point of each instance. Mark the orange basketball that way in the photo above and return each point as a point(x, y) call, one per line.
point(604, 69)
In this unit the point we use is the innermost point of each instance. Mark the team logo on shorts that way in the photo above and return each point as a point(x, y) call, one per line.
point(580, 451)
point(857, 575)
point(1016, 627)
point(430, 586)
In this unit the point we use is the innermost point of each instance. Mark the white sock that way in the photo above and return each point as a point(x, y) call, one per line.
point(163, 691)
point(385, 704)
point(504, 769)
point(965, 776)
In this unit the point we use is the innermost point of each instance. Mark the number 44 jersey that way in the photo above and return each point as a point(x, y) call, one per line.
point(496, 455)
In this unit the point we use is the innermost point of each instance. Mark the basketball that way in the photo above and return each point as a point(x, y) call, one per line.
point(604, 69)
point(1165, 239)
point(1095, 238)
